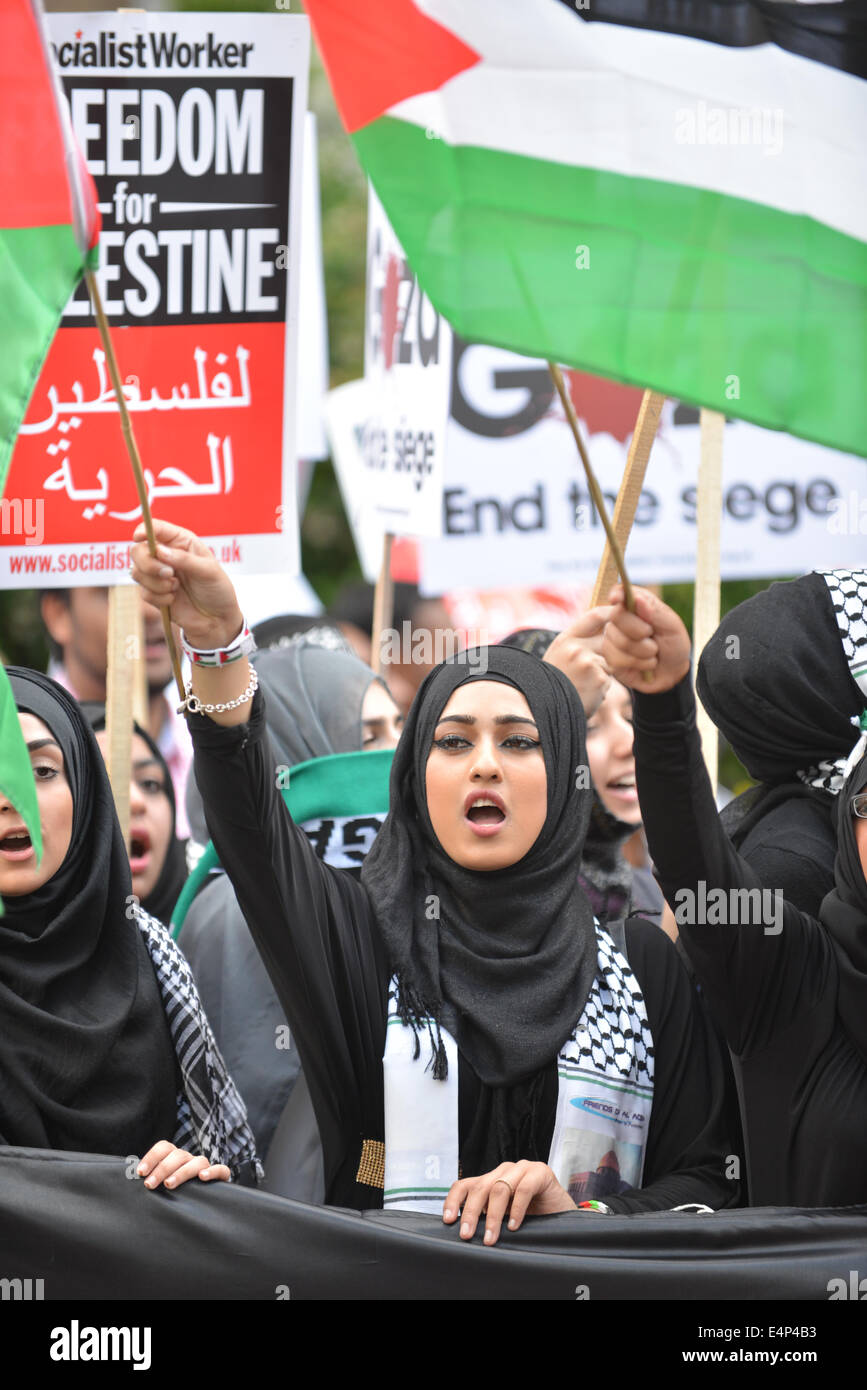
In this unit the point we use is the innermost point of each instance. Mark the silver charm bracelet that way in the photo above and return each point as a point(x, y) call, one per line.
point(193, 705)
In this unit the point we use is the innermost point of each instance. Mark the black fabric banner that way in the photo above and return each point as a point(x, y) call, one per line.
point(81, 1226)
point(833, 34)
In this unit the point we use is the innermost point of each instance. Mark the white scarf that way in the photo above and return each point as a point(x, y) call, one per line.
point(605, 1093)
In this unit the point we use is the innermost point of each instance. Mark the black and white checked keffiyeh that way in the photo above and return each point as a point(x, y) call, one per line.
point(212, 1119)
point(611, 1046)
point(848, 589)
point(613, 1034)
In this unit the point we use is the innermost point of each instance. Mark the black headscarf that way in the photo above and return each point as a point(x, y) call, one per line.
point(844, 915)
point(535, 640)
point(775, 679)
point(508, 966)
point(86, 1059)
point(167, 889)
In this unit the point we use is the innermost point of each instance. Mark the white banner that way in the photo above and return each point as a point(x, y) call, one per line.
point(347, 409)
point(407, 363)
point(516, 509)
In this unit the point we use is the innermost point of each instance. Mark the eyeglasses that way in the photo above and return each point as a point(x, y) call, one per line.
point(859, 805)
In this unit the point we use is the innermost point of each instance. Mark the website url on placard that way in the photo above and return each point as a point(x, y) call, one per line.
point(97, 560)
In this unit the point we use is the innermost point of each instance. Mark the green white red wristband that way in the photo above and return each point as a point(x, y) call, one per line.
point(242, 645)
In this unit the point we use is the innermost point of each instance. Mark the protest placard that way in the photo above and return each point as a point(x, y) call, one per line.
point(515, 507)
point(193, 129)
point(407, 363)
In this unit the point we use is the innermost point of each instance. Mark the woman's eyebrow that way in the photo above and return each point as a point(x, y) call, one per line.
point(147, 762)
point(36, 743)
point(498, 719)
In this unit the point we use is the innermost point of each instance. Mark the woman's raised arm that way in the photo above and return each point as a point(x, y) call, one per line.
point(760, 960)
point(311, 923)
point(186, 579)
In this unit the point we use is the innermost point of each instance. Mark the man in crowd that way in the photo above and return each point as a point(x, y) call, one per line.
point(76, 621)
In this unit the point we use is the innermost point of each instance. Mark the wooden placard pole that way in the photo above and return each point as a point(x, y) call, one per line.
point(630, 491)
point(140, 709)
point(383, 604)
point(124, 609)
point(595, 490)
point(706, 614)
point(132, 450)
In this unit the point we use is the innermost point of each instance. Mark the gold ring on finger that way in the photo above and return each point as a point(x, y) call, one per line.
point(508, 1184)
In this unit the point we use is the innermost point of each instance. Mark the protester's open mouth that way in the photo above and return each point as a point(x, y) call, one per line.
point(485, 812)
point(625, 790)
point(139, 851)
point(17, 846)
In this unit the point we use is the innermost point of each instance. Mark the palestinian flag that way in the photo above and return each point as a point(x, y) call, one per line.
point(49, 221)
point(668, 194)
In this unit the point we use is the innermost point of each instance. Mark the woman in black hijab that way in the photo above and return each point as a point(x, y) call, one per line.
point(446, 1007)
point(102, 1046)
point(789, 988)
point(157, 857)
point(784, 678)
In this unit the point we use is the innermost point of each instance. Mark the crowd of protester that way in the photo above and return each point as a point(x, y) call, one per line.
point(372, 939)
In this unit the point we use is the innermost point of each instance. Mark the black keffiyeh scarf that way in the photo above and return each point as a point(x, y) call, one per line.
point(212, 1118)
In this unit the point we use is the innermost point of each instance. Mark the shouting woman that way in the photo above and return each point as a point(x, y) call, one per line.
point(472, 1040)
point(104, 1044)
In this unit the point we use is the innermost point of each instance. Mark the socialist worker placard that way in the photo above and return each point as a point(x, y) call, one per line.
point(192, 126)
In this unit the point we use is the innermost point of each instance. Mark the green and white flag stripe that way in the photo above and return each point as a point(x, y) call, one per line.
point(651, 206)
point(49, 221)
